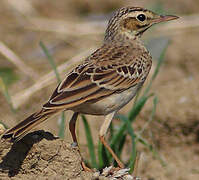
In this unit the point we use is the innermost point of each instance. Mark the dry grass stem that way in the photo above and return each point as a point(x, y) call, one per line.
point(63, 27)
point(13, 58)
point(24, 7)
point(21, 97)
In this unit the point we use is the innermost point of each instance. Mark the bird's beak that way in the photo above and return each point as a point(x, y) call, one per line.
point(162, 18)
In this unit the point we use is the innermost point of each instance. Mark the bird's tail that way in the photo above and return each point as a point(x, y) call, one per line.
point(21, 129)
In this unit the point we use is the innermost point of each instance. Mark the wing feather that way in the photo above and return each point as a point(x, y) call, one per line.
point(98, 78)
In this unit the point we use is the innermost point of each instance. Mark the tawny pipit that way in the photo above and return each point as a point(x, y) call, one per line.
point(107, 80)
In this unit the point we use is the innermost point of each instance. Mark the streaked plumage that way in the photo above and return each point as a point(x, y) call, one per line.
point(108, 79)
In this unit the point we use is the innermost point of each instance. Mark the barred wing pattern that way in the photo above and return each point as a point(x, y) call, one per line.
point(94, 80)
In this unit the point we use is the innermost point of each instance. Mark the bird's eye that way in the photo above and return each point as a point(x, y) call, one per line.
point(141, 17)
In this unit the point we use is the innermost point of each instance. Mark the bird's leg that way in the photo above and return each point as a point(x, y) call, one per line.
point(103, 131)
point(72, 125)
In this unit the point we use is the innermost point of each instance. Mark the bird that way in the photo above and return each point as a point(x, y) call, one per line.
point(106, 80)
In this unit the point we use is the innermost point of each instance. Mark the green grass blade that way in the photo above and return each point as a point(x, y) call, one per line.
point(91, 147)
point(118, 149)
point(120, 146)
point(116, 141)
point(150, 147)
point(100, 155)
point(50, 60)
point(131, 133)
point(111, 131)
point(131, 116)
point(144, 142)
point(62, 126)
point(8, 75)
point(118, 135)
point(155, 101)
point(4, 90)
point(52, 63)
point(160, 62)
point(138, 106)
point(103, 156)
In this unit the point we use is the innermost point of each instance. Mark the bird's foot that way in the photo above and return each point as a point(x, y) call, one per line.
point(74, 145)
point(85, 168)
point(116, 173)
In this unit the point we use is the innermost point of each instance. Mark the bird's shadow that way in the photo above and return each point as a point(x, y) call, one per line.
point(13, 160)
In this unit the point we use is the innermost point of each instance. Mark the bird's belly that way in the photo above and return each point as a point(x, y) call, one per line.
point(109, 104)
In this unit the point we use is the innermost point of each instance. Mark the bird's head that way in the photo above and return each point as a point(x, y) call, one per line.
point(133, 21)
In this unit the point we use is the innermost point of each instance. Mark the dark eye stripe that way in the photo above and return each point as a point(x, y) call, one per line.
point(131, 18)
point(141, 26)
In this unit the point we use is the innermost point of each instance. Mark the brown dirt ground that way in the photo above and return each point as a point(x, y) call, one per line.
point(40, 155)
point(174, 132)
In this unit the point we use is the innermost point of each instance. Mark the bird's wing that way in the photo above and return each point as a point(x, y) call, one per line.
point(106, 71)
